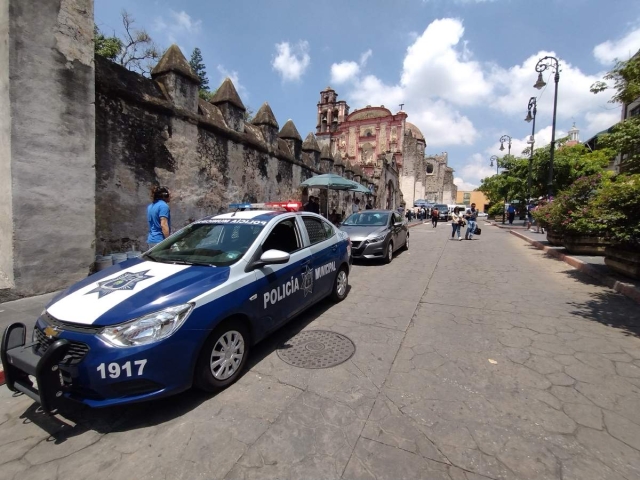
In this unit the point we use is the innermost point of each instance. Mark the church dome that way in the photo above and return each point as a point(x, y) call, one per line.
point(368, 113)
point(410, 127)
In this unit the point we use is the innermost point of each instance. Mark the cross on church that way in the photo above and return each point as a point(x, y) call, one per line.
point(401, 105)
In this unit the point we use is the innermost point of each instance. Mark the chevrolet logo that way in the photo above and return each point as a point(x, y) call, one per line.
point(51, 332)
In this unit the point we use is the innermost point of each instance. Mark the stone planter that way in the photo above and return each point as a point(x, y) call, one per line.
point(585, 244)
point(554, 238)
point(624, 262)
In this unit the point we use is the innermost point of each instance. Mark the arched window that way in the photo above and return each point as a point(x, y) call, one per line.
point(429, 169)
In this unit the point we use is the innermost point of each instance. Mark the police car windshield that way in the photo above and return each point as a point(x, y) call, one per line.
point(218, 242)
point(367, 219)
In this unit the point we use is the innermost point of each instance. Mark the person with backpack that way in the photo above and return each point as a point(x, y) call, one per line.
point(435, 215)
point(471, 215)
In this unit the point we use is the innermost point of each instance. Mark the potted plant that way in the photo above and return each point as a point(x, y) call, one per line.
point(585, 231)
point(550, 216)
point(618, 203)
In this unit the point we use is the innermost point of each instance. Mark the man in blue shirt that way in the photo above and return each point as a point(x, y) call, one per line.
point(158, 216)
point(512, 213)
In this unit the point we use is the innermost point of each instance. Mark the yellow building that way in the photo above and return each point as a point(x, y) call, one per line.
point(479, 198)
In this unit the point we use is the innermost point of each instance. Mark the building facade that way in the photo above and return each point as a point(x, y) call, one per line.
point(374, 136)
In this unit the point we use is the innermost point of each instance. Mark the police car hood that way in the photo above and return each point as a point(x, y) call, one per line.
point(132, 289)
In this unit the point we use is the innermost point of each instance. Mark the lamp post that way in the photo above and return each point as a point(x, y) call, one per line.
point(532, 108)
point(494, 157)
point(497, 160)
point(503, 139)
point(541, 66)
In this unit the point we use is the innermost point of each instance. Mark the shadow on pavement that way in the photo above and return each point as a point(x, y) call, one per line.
point(607, 307)
point(75, 419)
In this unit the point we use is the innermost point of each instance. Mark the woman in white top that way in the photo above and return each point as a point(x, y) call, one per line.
point(456, 219)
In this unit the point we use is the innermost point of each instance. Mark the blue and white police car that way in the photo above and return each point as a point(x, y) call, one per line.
point(185, 313)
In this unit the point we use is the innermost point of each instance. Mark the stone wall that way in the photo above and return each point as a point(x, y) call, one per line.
point(413, 168)
point(439, 186)
point(47, 156)
point(148, 131)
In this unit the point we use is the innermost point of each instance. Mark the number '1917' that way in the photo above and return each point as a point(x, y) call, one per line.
point(114, 370)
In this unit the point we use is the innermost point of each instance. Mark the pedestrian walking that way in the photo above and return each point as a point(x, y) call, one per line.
point(368, 206)
point(471, 216)
point(158, 215)
point(530, 207)
point(511, 212)
point(456, 223)
point(435, 215)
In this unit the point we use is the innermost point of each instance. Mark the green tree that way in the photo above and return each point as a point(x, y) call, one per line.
point(198, 67)
point(108, 47)
point(625, 137)
point(570, 163)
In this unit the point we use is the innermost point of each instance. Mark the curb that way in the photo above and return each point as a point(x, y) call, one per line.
point(626, 289)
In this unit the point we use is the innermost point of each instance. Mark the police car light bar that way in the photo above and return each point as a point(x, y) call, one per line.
point(289, 206)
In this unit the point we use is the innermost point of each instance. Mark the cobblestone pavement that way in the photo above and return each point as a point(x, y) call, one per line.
point(474, 360)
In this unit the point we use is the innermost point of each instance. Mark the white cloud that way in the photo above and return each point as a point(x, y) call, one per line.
point(179, 25)
point(364, 57)
point(183, 22)
point(476, 168)
point(291, 61)
point(514, 86)
point(235, 78)
point(343, 72)
point(598, 121)
point(437, 74)
point(434, 63)
point(464, 186)
point(621, 49)
point(347, 71)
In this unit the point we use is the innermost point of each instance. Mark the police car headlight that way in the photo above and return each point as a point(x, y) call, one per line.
point(148, 329)
point(377, 238)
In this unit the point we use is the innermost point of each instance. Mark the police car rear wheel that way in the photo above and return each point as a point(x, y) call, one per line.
point(223, 357)
point(340, 285)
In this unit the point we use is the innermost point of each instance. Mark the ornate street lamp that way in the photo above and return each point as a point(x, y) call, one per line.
point(494, 158)
point(532, 108)
point(503, 139)
point(541, 66)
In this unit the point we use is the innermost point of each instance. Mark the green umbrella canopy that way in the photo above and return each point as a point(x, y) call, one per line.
point(360, 188)
point(330, 181)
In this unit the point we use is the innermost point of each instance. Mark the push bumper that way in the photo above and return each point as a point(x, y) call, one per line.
point(20, 361)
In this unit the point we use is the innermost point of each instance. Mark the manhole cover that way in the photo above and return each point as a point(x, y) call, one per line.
point(317, 349)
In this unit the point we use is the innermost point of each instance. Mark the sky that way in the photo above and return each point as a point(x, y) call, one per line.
point(464, 69)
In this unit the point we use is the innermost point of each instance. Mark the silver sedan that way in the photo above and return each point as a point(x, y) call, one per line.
point(376, 234)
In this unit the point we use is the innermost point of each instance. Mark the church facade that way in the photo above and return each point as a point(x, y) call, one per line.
point(372, 136)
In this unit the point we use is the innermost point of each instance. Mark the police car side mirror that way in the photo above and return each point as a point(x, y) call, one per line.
point(273, 257)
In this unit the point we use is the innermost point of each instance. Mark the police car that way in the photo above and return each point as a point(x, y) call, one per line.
point(185, 313)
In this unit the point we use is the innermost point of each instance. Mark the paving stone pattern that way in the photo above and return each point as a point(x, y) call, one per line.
point(474, 360)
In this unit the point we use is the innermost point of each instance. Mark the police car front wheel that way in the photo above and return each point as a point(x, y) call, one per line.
point(223, 357)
